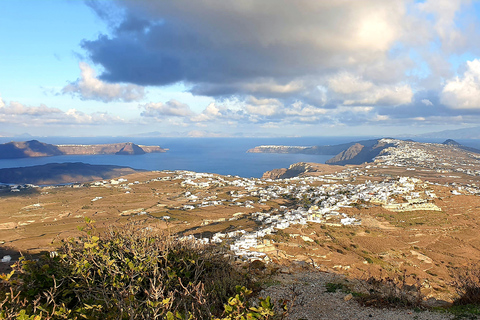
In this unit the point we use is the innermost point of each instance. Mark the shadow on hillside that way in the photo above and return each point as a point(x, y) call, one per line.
point(6, 252)
point(5, 192)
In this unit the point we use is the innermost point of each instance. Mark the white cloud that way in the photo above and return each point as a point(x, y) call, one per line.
point(346, 83)
point(427, 102)
point(17, 113)
point(301, 109)
point(379, 117)
point(463, 93)
point(354, 90)
point(445, 11)
point(172, 108)
point(263, 107)
point(89, 87)
point(15, 108)
point(211, 112)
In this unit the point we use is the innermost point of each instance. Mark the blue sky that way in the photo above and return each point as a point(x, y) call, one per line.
point(238, 68)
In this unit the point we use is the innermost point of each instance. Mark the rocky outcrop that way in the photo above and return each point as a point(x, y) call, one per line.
point(28, 149)
point(113, 148)
point(34, 148)
point(450, 142)
point(358, 153)
point(275, 174)
point(453, 143)
point(347, 155)
point(300, 169)
point(152, 149)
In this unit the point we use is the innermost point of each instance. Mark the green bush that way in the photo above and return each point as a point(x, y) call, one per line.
point(128, 273)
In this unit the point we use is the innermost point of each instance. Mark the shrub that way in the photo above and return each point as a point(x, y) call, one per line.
point(392, 291)
point(467, 285)
point(127, 273)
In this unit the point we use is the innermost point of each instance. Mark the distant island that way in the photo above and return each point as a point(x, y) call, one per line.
point(35, 148)
point(62, 173)
point(360, 151)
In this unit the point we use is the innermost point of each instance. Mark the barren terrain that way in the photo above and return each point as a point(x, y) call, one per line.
point(426, 245)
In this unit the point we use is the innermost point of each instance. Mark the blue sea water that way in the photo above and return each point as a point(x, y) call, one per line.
point(213, 155)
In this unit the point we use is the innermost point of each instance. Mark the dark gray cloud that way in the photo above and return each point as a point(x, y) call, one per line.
point(220, 47)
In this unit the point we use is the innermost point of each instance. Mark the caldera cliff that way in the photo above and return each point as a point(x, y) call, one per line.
point(34, 148)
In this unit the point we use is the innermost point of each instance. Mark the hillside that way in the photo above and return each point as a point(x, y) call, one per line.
point(411, 213)
point(28, 149)
point(360, 153)
point(367, 151)
point(468, 133)
point(35, 148)
point(300, 169)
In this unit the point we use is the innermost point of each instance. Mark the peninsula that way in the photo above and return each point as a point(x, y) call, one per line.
point(35, 148)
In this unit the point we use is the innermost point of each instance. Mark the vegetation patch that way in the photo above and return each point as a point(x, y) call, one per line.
point(131, 272)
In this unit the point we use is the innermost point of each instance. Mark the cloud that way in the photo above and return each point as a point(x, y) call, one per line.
point(464, 93)
point(226, 47)
point(216, 112)
point(353, 90)
point(304, 110)
point(89, 87)
point(16, 108)
point(17, 113)
point(427, 102)
point(171, 108)
point(282, 62)
point(263, 107)
point(445, 26)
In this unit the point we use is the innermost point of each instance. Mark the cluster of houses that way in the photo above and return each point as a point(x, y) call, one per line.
point(16, 187)
point(314, 199)
point(438, 157)
point(319, 199)
point(321, 203)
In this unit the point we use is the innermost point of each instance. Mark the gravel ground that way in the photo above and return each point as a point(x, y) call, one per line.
point(313, 302)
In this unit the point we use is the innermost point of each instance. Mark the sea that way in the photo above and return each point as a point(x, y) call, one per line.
point(226, 156)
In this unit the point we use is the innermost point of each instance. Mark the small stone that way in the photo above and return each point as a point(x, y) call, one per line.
point(285, 270)
point(434, 303)
point(348, 297)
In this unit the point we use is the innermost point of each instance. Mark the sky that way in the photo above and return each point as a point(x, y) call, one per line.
point(242, 68)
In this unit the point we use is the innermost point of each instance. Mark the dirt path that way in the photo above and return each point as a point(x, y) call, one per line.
point(314, 302)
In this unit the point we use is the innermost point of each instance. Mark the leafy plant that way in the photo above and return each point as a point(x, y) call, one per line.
point(131, 272)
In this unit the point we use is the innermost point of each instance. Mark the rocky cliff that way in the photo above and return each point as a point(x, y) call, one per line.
point(321, 150)
point(347, 155)
point(300, 168)
point(359, 153)
point(453, 143)
point(27, 149)
point(34, 148)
